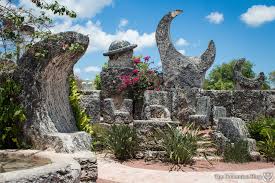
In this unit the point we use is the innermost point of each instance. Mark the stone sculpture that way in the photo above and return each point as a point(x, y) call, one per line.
point(157, 105)
point(50, 122)
point(243, 83)
point(117, 113)
point(180, 71)
point(201, 118)
point(231, 130)
point(120, 63)
point(218, 112)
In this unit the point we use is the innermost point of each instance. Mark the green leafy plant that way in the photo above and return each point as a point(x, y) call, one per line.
point(255, 127)
point(267, 146)
point(21, 27)
point(142, 78)
point(122, 141)
point(97, 82)
point(81, 117)
point(180, 146)
point(237, 152)
point(99, 135)
point(11, 115)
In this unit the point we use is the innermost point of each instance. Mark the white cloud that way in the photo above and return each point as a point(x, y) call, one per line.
point(83, 8)
point(92, 69)
point(100, 40)
point(258, 15)
point(123, 22)
point(215, 17)
point(77, 70)
point(182, 51)
point(182, 42)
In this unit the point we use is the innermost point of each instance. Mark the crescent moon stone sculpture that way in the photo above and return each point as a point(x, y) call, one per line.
point(180, 71)
point(243, 83)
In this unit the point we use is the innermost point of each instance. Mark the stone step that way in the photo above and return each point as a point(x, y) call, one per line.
point(206, 150)
point(206, 143)
point(209, 158)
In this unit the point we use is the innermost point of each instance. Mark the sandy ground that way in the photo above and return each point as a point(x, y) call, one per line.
point(138, 171)
point(198, 166)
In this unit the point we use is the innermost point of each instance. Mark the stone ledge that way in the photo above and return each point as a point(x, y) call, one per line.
point(67, 168)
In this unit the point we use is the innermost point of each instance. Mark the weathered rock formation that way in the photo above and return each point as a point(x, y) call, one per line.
point(243, 83)
point(180, 71)
point(50, 122)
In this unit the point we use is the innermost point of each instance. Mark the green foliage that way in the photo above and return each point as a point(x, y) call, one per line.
point(11, 115)
point(21, 27)
point(180, 146)
point(97, 82)
point(143, 78)
point(237, 152)
point(263, 131)
point(82, 119)
point(255, 127)
point(122, 141)
point(99, 135)
point(267, 146)
point(222, 76)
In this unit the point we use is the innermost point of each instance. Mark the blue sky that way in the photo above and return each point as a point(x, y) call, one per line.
point(240, 28)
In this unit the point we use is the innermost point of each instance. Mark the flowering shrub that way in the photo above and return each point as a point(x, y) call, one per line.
point(142, 78)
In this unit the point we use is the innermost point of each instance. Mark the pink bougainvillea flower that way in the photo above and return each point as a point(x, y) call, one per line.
point(135, 71)
point(147, 58)
point(136, 60)
point(135, 80)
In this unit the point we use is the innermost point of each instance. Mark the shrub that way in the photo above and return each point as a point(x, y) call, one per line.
point(99, 137)
point(97, 82)
point(180, 146)
point(11, 115)
point(142, 78)
point(82, 119)
point(237, 152)
point(255, 127)
point(267, 146)
point(122, 141)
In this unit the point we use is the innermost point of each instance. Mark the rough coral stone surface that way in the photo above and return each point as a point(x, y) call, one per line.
point(157, 104)
point(233, 128)
point(248, 105)
point(243, 83)
point(181, 71)
point(90, 101)
point(45, 95)
point(120, 113)
point(146, 131)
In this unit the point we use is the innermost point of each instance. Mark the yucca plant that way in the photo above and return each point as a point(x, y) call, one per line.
point(180, 146)
point(237, 152)
point(267, 146)
point(122, 141)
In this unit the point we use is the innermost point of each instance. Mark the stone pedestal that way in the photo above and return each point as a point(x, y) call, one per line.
point(146, 131)
point(114, 114)
point(201, 118)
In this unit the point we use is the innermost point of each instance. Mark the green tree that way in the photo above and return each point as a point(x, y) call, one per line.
point(21, 27)
point(222, 76)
